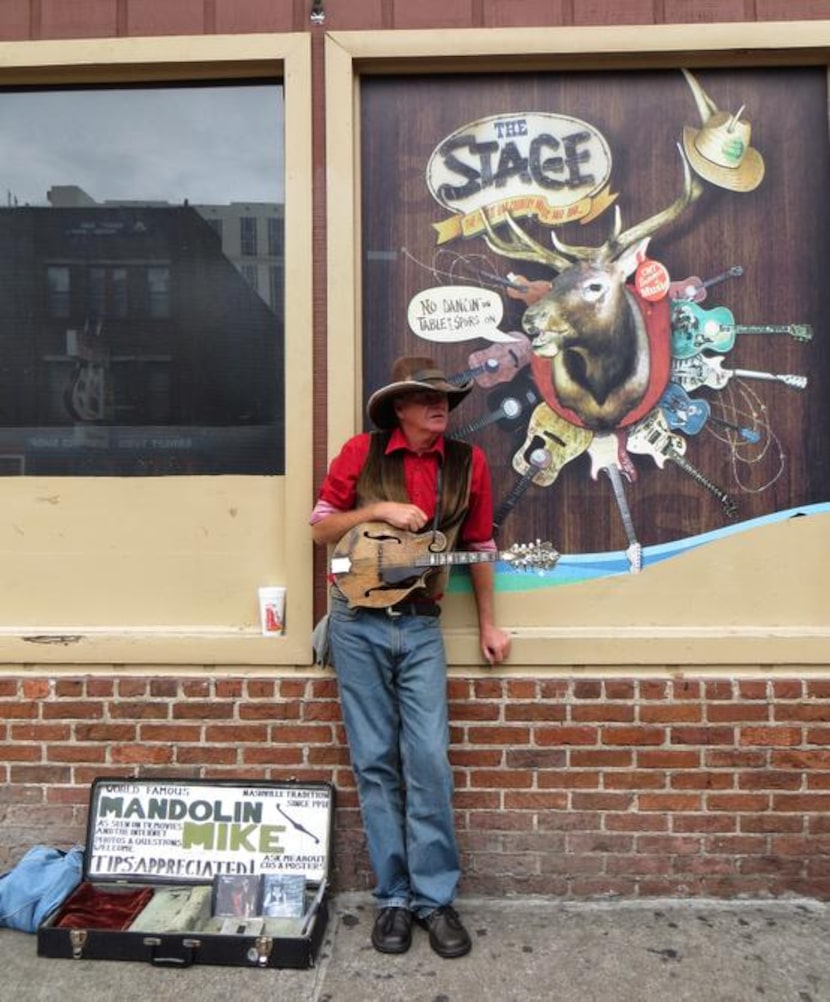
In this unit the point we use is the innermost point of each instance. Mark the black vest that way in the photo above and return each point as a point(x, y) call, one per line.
point(382, 479)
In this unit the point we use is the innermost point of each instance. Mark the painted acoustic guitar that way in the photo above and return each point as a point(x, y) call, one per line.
point(376, 565)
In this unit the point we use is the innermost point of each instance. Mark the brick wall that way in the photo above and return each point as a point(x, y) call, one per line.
point(572, 787)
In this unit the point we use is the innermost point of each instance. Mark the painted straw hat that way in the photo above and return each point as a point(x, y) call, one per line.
point(720, 152)
point(410, 374)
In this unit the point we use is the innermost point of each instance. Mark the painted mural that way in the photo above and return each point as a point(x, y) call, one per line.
point(628, 273)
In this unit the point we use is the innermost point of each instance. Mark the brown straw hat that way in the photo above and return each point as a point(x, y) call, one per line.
point(720, 152)
point(410, 374)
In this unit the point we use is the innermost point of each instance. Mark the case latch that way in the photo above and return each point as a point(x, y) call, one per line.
point(77, 940)
point(263, 945)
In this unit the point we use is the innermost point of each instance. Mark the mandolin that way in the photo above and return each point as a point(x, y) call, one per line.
point(376, 565)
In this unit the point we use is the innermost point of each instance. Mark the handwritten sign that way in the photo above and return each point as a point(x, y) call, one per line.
point(450, 313)
point(190, 832)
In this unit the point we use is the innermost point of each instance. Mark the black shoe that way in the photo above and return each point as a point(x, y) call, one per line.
point(447, 936)
point(392, 931)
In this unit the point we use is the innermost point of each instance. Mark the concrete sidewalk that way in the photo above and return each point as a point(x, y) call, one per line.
point(527, 949)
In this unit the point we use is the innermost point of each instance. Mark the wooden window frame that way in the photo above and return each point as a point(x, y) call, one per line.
point(254, 530)
point(769, 635)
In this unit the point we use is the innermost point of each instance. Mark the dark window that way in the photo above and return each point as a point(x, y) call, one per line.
point(150, 350)
point(247, 235)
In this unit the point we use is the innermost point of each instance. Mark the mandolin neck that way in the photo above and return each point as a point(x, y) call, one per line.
point(459, 557)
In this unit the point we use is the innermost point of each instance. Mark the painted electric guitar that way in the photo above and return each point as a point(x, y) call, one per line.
point(550, 443)
point(694, 330)
point(652, 437)
point(609, 455)
point(376, 565)
point(707, 370)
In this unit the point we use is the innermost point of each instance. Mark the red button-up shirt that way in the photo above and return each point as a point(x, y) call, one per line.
point(339, 489)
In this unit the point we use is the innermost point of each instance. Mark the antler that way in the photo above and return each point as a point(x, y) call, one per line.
point(692, 190)
point(521, 246)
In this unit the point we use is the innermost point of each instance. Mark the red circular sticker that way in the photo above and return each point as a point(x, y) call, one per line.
point(652, 280)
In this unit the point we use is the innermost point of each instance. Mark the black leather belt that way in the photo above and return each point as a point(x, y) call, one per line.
point(413, 609)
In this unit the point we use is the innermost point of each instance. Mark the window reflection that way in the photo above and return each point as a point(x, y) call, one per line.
point(136, 339)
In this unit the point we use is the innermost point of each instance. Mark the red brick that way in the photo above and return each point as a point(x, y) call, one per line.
point(501, 779)
point(569, 779)
point(531, 758)
point(36, 688)
point(171, 733)
point(474, 711)
point(203, 711)
point(587, 690)
point(634, 780)
point(671, 713)
point(702, 736)
point(632, 735)
point(667, 758)
point(260, 688)
point(674, 802)
point(566, 736)
point(141, 754)
point(71, 709)
point(602, 713)
point(636, 822)
point(496, 735)
point(520, 689)
point(526, 800)
point(271, 755)
point(140, 711)
point(740, 803)
point(770, 736)
point(534, 711)
point(609, 758)
point(721, 713)
point(236, 733)
point(205, 754)
point(750, 689)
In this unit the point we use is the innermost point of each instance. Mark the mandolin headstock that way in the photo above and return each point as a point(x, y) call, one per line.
point(536, 556)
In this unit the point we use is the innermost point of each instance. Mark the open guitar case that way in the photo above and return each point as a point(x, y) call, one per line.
point(176, 873)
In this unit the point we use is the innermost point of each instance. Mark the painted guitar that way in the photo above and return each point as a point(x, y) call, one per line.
point(497, 363)
point(694, 289)
point(707, 370)
point(506, 407)
point(608, 453)
point(690, 414)
point(550, 443)
point(652, 437)
point(376, 565)
point(694, 330)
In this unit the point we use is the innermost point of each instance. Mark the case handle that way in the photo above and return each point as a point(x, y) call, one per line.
point(187, 959)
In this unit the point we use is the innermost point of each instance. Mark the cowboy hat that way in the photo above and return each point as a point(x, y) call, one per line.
point(409, 375)
point(720, 152)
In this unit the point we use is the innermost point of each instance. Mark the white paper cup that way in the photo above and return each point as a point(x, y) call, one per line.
point(272, 611)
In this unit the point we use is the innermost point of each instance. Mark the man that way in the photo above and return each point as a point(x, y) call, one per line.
point(390, 661)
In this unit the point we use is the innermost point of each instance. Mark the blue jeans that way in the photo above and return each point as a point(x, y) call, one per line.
point(392, 676)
